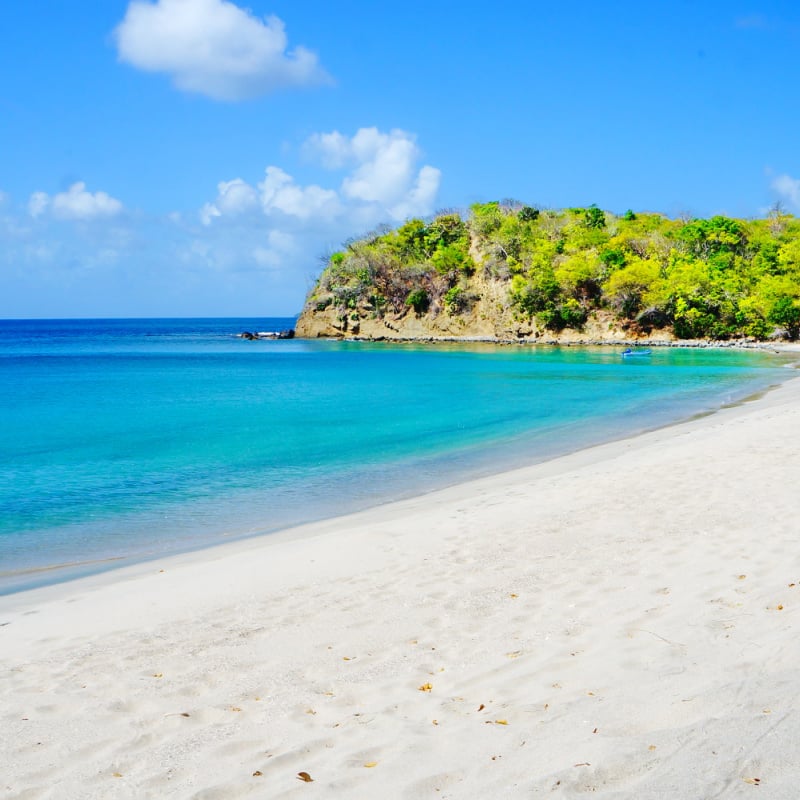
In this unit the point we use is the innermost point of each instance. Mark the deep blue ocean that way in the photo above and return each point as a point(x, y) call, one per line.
point(122, 440)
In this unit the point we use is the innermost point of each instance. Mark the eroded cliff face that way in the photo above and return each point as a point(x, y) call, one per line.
point(599, 328)
point(488, 317)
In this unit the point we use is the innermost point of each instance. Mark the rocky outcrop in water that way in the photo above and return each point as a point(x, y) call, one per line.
point(254, 335)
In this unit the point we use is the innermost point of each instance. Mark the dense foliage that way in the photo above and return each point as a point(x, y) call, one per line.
point(707, 278)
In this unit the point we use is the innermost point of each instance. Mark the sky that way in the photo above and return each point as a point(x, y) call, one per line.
point(173, 158)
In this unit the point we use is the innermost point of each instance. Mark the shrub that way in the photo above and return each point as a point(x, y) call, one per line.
point(453, 299)
point(569, 314)
point(418, 300)
point(594, 217)
point(457, 300)
point(452, 258)
point(572, 313)
point(612, 257)
point(528, 214)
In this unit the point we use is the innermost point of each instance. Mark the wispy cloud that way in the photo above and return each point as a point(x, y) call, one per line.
point(215, 48)
point(752, 22)
point(788, 189)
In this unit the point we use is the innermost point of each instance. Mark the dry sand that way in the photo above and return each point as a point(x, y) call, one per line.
point(619, 622)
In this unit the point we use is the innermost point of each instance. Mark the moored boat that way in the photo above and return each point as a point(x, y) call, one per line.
point(636, 352)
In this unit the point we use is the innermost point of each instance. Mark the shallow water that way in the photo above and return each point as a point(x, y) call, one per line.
point(126, 439)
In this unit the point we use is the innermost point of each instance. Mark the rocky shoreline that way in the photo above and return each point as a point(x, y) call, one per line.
point(572, 339)
point(556, 342)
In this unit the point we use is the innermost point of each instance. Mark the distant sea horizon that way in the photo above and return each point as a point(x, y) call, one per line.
point(129, 438)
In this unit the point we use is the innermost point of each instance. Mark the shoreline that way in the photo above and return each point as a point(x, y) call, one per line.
point(618, 620)
point(581, 455)
point(20, 580)
point(576, 341)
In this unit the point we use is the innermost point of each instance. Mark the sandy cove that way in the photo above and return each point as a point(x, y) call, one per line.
point(620, 622)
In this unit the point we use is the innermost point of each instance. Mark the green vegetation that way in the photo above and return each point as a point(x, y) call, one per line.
point(715, 278)
point(418, 300)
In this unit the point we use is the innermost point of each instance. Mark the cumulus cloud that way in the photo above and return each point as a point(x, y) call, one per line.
point(383, 182)
point(280, 192)
point(215, 48)
point(233, 198)
point(421, 196)
point(255, 243)
point(74, 204)
point(788, 189)
point(383, 169)
point(277, 193)
point(283, 225)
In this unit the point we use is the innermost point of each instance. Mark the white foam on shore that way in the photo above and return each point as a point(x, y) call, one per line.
point(620, 621)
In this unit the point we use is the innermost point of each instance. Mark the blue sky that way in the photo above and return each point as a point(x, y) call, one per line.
point(198, 157)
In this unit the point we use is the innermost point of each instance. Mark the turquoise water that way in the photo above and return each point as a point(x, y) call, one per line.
point(125, 439)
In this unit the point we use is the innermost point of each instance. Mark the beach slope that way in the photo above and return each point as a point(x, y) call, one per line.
point(620, 622)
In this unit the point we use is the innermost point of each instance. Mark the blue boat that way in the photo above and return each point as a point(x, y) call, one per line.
point(629, 352)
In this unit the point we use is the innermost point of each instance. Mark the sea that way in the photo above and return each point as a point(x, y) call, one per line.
point(125, 440)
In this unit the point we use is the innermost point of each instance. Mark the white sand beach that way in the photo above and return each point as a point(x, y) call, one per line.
point(620, 623)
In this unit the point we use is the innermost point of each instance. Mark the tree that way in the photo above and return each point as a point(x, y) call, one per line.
point(594, 217)
point(785, 312)
point(626, 287)
point(715, 278)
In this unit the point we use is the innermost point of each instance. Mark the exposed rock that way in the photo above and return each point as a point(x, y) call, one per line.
point(779, 334)
point(288, 333)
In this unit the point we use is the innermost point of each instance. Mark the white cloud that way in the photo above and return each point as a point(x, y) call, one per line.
point(236, 197)
point(386, 163)
point(74, 204)
point(259, 245)
point(233, 198)
point(279, 192)
point(383, 169)
point(208, 212)
point(420, 199)
point(215, 48)
point(38, 203)
point(332, 149)
point(281, 226)
point(788, 189)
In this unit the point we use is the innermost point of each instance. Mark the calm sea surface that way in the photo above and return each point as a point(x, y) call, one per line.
point(126, 439)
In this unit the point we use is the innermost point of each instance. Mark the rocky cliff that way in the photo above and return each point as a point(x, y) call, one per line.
point(516, 273)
